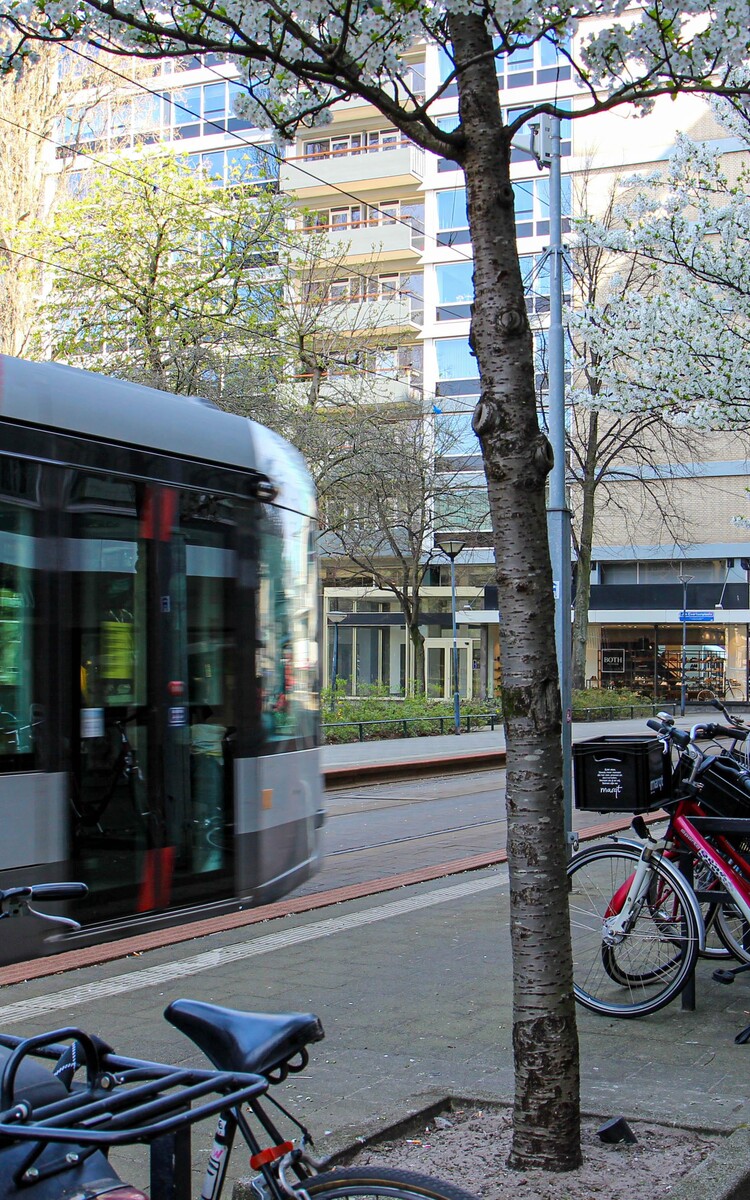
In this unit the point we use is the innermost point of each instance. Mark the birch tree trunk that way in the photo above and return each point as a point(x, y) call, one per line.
point(517, 459)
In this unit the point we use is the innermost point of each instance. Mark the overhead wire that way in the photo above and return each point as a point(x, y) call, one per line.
point(363, 203)
point(427, 397)
point(255, 146)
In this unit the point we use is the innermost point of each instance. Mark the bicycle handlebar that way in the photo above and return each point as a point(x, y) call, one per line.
point(714, 731)
point(45, 891)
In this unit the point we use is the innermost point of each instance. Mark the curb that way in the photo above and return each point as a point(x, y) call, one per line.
point(724, 1175)
point(382, 772)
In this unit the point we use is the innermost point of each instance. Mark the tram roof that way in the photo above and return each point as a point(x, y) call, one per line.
point(57, 397)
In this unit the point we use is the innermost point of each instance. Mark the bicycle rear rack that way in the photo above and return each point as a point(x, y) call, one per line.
point(123, 1101)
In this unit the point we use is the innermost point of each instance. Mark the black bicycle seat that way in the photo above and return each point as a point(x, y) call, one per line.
point(244, 1041)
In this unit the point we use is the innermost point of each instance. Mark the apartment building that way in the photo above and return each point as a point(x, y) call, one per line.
point(394, 218)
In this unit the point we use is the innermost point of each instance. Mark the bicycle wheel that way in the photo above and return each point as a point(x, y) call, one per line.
point(375, 1182)
point(639, 971)
point(704, 881)
point(734, 931)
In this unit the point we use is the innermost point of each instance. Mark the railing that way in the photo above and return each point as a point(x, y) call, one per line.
point(471, 721)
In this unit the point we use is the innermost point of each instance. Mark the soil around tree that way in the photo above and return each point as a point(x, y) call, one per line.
point(469, 1145)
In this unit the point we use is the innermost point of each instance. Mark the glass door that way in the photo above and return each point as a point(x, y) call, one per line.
point(111, 802)
point(154, 659)
point(439, 668)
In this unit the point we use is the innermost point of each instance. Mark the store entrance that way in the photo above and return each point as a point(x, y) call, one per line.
point(650, 661)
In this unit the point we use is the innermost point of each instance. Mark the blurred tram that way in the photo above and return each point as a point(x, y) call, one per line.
point(159, 724)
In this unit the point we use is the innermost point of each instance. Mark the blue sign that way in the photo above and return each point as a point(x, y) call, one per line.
point(696, 616)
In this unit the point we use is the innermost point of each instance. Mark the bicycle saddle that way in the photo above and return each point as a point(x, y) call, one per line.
point(244, 1041)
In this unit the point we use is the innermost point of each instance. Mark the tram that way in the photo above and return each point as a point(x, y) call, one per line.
point(159, 707)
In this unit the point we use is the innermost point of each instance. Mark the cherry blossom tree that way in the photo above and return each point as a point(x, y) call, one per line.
point(299, 60)
point(685, 230)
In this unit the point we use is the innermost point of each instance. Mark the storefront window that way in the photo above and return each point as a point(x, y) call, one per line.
point(650, 660)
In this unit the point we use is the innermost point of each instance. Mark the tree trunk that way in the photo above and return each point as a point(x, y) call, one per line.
point(417, 643)
point(517, 459)
point(585, 543)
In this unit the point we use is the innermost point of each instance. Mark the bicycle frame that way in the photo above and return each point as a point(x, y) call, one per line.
point(736, 882)
point(623, 907)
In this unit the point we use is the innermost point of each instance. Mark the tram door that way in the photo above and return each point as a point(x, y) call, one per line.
point(151, 792)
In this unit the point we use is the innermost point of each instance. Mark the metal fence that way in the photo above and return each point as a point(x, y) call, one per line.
point(410, 726)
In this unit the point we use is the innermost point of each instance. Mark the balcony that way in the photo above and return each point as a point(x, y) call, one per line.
point(362, 388)
point(370, 238)
point(385, 313)
point(389, 165)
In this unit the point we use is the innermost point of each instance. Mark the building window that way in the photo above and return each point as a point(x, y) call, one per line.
point(354, 143)
point(455, 287)
point(456, 366)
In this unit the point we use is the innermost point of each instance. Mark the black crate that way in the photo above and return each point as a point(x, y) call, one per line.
point(621, 774)
point(724, 788)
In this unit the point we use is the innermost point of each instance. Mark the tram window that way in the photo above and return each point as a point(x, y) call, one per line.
point(18, 712)
point(287, 633)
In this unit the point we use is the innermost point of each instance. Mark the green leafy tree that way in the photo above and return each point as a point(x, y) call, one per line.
point(160, 277)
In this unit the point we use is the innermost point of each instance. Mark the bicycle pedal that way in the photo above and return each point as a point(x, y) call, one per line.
point(721, 976)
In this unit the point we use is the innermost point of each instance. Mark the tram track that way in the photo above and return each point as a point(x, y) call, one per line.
point(367, 872)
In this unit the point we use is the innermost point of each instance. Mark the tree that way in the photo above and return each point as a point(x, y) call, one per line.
point(162, 278)
point(686, 229)
point(32, 106)
point(395, 491)
point(300, 59)
point(609, 449)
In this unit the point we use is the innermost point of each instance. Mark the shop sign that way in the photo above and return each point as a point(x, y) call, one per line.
point(613, 661)
point(696, 616)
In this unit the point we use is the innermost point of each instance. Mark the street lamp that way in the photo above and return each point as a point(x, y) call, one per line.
point(684, 580)
point(451, 548)
point(335, 619)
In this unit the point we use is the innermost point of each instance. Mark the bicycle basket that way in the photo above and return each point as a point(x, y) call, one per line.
point(621, 774)
point(724, 787)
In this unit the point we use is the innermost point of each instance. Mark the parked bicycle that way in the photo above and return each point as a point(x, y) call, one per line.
point(729, 691)
point(637, 924)
point(66, 1098)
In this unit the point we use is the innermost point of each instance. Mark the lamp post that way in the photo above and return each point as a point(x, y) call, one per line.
point(451, 548)
point(335, 619)
point(684, 580)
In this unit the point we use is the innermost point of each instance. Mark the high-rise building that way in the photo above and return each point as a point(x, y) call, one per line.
point(394, 221)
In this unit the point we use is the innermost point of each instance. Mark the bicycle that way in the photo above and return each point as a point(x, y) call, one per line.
point(57, 1126)
point(730, 691)
point(637, 925)
point(124, 770)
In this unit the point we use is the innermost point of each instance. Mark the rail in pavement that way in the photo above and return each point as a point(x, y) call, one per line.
point(406, 755)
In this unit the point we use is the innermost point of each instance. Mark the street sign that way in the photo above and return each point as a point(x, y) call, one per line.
point(687, 615)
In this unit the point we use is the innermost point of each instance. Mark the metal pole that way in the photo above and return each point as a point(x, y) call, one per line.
point(558, 512)
point(683, 663)
point(456, 690)
point(334, 664)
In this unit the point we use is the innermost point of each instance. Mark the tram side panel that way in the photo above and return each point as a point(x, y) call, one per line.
point(278, 814)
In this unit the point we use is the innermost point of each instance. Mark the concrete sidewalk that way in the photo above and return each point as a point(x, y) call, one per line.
point(480, 742)
point(414, 989)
